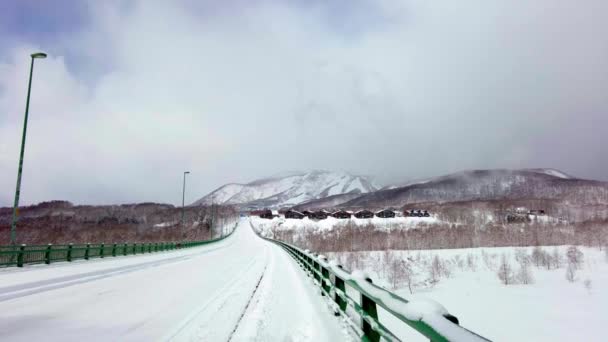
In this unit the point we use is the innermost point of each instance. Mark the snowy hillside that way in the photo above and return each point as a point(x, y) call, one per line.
point(490, 185)
point(289, 189)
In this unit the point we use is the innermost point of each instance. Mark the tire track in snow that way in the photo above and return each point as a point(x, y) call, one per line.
point(257, 285)
point(188, 329)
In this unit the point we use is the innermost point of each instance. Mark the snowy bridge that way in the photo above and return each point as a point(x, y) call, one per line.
point(242, 288)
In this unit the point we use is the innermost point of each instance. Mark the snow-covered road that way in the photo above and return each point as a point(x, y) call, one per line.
point(240, 289)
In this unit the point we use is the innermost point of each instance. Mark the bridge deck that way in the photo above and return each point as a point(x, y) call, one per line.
point(242, 288)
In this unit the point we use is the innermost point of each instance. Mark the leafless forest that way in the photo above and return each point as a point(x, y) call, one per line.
point(369, 238)
point(60, 222)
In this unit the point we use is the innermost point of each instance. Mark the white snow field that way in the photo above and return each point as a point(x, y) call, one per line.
point(240, 289)
point(550, 308)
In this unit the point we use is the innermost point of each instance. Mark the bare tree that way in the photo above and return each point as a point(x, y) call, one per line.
point(435, 270)
point(505, 272)
point(538, 256)
point(571, 272)
point(524, 274)
point(471, 262)
point(556, 258)
point(408, 275)
point(387, 261)
point(575, 256)
point(396, 273)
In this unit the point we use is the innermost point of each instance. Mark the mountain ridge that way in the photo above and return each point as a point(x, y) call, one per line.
point(288, 189)
point(468, 185)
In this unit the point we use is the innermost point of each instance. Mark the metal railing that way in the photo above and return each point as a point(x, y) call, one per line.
point(20, 255)
point(333, 280)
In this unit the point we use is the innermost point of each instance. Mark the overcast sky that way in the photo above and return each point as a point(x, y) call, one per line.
point(134, 93)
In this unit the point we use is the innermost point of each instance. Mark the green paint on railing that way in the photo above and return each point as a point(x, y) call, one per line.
point(35, 254)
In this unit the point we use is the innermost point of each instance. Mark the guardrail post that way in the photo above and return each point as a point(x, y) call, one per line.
point(47, 254)
point(86, 252)
point(125, 250)
point(69, 255)
point(325, 277)
point(369, 307)
point(20, 256)
point(134, 248)
point(339, 283)
point(101, 250)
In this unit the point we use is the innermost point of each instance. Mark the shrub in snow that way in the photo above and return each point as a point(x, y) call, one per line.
point(487, 259)
point(588, 284)
point(396, 273)
point(436, 269)
point(521, 256)
point(471, 262)
point(457, 260)
point(575, 256)
point(538, 256)
point(387, 261)
point(524, 274)
point(505, 272)
point(556, 258)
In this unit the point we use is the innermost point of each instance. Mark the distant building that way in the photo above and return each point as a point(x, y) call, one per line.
point(320, 215)
point(386, 213)
point(292, 214)
point(517, 216)
point(410, 213)
point(363, 214)
point(266, 214)
point(341, 214)
point(307, 213)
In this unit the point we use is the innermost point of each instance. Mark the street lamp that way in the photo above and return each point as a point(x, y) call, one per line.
point(184, 196)
point(18, 190)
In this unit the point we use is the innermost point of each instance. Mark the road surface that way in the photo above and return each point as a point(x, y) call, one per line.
point(240, 289)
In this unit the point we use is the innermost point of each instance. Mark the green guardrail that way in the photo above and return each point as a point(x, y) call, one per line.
point(429, 319)
point(20, 255)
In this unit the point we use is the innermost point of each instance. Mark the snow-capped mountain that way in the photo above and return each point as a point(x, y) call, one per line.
point(500, 184)
point(289, 189)
point(484, 185)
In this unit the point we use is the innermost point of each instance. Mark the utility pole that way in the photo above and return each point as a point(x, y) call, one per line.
point(184, 198)
point(20, 169)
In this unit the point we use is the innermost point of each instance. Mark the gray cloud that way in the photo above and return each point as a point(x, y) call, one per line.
point(232, 92)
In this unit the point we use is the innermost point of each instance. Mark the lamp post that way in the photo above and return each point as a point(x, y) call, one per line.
point(184, 196)
point(18, 190)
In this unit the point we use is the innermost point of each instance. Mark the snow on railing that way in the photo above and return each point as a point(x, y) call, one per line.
point(20, 255)
point(425, 316)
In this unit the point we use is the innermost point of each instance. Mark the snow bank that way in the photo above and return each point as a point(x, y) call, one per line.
point(308, 225)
